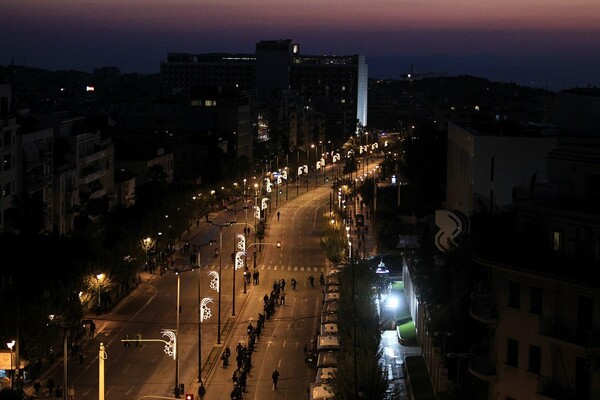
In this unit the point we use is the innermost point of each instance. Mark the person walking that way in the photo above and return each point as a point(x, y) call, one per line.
point(50, 386)
point(275, 378)
point(37, 387)
point(201, 391)
point(71, 392)
point(278, 215)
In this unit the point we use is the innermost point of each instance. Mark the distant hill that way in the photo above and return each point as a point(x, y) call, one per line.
point(556, 75)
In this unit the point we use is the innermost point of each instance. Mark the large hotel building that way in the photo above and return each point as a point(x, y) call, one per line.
point(335, 87)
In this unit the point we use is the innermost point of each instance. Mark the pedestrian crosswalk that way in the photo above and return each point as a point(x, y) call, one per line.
point(288, 268)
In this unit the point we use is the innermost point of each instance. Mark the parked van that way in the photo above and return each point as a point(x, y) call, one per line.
point(332, 287)
point(329, 329)
point(332, 280)
point(328, 342)
point(330, 308)
point(327, 358)
point(325, 374)
point(321, 391)
point(329, 318)
point(332, 296)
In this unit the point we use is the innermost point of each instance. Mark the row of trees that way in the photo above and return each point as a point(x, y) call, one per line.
point(56, 280)
point(358, 319)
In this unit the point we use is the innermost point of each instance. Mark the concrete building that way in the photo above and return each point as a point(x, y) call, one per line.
point(540, 301)
point(535, 250)
point(485, 162)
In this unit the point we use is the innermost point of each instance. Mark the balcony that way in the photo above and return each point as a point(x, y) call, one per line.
point(482, 307)
point(93, 157)
point(88, 175)
point(562, 331)
point(550, 389)
point(480, 364)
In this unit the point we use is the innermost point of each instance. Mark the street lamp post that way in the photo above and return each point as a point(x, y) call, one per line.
point(297, 169)
point(177, 394)
point(10, 345)
point(255, 202)
point(199, 262)
point(247, 227)
point(324, 158)
point(245, 209)
point(220, 274)
point(99, 278)
point(316, 170)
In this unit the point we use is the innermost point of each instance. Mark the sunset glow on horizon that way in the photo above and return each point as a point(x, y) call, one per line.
point(112, 29)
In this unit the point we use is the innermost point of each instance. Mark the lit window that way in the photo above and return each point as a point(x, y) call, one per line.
point(557, 241)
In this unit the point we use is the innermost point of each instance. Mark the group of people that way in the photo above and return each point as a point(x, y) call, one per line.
point(244, 349)
point(58, 392)
point(240, 375)
point(276, 297)
point(311, 280)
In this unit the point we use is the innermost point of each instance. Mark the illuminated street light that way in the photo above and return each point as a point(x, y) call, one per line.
point(220, 273)
point(100, 279)
point(10, 345)
point(200, 309)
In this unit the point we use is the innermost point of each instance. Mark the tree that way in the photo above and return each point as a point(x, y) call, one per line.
point(27, 215)
point(359, 369)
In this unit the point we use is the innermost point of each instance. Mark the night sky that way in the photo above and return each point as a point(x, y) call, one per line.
point(549, 43)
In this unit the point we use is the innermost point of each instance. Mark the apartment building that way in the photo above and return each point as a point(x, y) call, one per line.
point(535, 235)
point(55, 169)
point(541, 300)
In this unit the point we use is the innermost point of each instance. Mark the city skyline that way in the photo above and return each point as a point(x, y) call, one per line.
point(553, 44)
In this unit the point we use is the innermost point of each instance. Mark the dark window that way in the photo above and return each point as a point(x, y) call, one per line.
point(512, 352)
point(514, 294)
point(592, 188)
point(535, 359)
point(536, 300)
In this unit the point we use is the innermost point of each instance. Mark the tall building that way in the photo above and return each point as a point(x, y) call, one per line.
point(334, 86)
point(8, 153)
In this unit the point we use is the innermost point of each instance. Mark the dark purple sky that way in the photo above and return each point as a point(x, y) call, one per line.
point(551, 43)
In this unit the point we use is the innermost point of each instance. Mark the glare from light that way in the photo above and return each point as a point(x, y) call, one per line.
point(392, 302)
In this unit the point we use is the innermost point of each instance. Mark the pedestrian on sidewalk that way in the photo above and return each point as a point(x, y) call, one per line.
point(71, 392)
point(37, 387)
point(50, 386)
point(201, 391)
